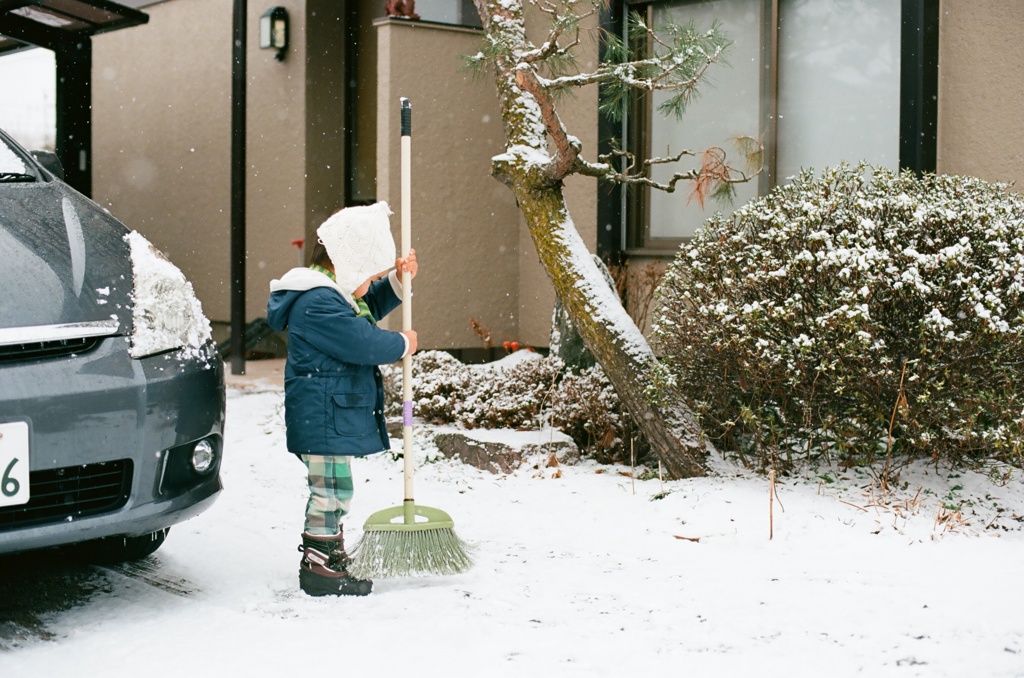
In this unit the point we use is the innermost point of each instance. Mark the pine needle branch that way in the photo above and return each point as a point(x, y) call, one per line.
point(714, 178)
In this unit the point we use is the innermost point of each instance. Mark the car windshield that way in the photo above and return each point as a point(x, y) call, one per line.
point(12, 167)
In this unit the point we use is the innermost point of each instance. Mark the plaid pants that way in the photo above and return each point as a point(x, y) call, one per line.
point(330, 493)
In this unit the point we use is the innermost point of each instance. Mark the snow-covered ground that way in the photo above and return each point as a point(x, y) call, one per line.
point(585, 574)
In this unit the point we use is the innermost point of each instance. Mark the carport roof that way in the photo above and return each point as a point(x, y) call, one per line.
point(52, 23)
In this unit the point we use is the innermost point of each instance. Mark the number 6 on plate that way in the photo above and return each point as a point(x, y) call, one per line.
point(14, 466)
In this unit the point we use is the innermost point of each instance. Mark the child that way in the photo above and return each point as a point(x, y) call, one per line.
point(334, 394)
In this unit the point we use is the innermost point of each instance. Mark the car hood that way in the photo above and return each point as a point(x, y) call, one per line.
point(63, 259)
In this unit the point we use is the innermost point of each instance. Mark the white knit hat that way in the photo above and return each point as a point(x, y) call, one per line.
point(359, 243)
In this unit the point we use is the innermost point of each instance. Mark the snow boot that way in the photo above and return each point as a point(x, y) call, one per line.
point(324, 568)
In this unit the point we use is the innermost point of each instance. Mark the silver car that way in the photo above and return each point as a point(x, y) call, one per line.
point(111, 391)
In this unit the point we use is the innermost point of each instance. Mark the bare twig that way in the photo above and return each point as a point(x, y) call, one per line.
point(901, 401)
point(632, 469)
point(713, 171)
point(482, 332)
point(559, 24)
point(778, 499)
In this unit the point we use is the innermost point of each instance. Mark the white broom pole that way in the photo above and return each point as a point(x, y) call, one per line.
point(406, 149)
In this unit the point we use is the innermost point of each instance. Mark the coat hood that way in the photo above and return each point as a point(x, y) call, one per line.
point(286, 290)
point(359, 243)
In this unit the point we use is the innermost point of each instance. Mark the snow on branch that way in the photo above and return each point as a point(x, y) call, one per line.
point(654, 74)
point(567, 148)
point(561, 21)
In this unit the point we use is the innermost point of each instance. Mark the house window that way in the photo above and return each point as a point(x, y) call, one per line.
point(818, 81)
point(838, 84)
point(729, 105)
point(457, 12)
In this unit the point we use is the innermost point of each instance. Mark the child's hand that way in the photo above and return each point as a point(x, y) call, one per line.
point(407, 264)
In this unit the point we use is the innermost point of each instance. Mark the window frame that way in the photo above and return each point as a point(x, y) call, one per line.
point(629, 207)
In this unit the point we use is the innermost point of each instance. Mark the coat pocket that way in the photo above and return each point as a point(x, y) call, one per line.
point(353, 414)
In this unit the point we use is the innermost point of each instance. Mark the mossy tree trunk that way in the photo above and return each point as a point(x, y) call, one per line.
point(539, 155)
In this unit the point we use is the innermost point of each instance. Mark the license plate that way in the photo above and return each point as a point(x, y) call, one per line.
point(14, 488)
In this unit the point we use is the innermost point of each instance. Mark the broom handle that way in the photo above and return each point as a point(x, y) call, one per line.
point(407, 297)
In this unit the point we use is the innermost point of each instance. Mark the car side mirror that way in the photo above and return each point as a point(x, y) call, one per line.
point(50, 163)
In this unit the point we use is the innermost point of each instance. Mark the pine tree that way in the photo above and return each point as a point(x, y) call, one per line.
point(540, 154)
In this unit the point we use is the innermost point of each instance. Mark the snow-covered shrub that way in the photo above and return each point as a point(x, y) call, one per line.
point(495, 395)
point(863, 314)
point(586, 407)
point(519, 392)
point(509, 397)
point(441, 382)
point(392, 375)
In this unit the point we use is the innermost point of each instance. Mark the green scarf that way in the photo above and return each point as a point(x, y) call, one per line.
point(364, 310)
point(321, 269)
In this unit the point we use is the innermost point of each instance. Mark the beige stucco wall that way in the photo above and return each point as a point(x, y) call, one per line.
point(479, 258)
point(464, 223)
point(981, 85)
point(162, 139)
point(161, 134)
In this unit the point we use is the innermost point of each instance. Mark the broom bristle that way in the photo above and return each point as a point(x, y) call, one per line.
point(396, 553)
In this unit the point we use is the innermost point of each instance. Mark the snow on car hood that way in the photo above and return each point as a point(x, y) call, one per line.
point(167, 315)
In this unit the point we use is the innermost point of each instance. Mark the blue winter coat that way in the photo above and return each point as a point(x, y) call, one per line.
point(334, 394)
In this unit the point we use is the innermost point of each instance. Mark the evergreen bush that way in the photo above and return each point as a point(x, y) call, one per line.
point(863, 315)
point(586, 407)
point(448, 391)
point(522, 395)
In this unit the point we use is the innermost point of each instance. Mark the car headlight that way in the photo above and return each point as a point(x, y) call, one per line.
point(166, 313)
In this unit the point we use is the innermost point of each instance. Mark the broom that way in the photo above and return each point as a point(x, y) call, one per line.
point(408, 539)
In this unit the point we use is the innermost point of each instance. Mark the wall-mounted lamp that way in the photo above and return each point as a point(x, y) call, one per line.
point(274, 31)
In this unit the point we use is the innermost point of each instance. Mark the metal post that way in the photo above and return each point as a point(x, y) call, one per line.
point(919, 85)
point(238, 174)
point(74, 112)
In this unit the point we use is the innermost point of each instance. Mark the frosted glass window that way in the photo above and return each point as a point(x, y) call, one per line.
point(839, 84)
point(729, 105)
